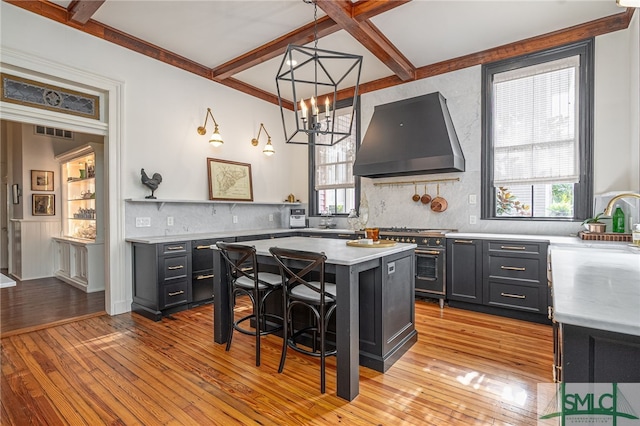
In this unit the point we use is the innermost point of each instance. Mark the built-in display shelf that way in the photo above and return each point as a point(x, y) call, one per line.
point(160, 203)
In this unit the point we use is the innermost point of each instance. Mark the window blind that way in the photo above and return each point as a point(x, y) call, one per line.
point(535, 130)
point(334, 164)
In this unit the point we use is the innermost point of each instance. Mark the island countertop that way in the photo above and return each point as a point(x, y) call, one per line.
point(337, 251)
point(596, 288)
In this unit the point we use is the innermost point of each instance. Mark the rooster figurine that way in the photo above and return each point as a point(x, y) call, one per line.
point(151, 182)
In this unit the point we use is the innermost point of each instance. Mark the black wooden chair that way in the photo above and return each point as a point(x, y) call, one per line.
point(303, 280)
point(245, 279)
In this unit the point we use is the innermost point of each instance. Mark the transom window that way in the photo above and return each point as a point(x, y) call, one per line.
point(537, 135)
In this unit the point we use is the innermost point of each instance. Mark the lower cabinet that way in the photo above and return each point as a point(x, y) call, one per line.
point(502, 277)
point(161, 278)
point(464, 270)
point(80, 263)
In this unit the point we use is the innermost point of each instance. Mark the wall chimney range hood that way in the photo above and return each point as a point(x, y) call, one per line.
point(410, 137)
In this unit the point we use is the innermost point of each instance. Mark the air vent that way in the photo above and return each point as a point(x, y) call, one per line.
point(51, 131)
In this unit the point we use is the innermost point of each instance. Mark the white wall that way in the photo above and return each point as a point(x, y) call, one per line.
point(616, 165)
point(163, 108)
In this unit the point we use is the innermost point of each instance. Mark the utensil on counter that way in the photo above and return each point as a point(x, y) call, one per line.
point(426, 198)
point(439, 204)
point(415, 197)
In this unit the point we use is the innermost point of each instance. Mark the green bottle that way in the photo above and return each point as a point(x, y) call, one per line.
point(618, 220)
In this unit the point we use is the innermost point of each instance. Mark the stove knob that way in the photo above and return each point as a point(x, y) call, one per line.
point(425, 241)
point(413, 240)
point(438, 242)
point(398, 239)
point(402, 240)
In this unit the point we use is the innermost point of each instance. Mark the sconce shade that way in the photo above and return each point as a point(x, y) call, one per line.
point(311, 78)
point(215, 139)
point(268, 149)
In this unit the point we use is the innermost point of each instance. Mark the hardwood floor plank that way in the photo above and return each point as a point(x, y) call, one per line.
point(35, 304)
point(466, 368)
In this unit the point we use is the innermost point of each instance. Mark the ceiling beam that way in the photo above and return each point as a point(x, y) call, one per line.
point(81, 11)
point(369, 36)
point(594, 28)
point(367, 9)
point(608, 24)
point(301, 36)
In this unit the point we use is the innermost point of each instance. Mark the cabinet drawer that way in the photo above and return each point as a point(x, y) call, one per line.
point(179, 247)
point(525, 248)
point(514, 267)
point(174, 294)
point(202, 254)
point(174, 267)
point(529, 298)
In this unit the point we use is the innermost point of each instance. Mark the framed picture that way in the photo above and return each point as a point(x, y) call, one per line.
point(229, 180)
point(41, 180)
point(43, 204)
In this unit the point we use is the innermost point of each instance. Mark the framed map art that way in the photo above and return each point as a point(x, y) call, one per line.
point(229, 180)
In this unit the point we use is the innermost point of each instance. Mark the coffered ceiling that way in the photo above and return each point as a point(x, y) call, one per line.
point(240, 43)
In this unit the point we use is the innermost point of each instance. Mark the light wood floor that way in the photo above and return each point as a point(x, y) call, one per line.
point(34, 304)
point(466, 368)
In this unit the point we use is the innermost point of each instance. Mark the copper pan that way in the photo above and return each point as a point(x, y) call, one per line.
point(426, 198)
point(439, 204)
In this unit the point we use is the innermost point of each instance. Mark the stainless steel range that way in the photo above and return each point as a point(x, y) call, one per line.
point(430, 263)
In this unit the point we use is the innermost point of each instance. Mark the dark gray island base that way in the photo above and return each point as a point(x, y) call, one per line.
point(375, 314)
point(599, 356)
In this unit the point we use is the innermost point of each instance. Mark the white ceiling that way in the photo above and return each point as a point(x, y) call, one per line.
point(425, 31)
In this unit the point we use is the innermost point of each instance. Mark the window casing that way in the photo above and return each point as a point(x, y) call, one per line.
point(332, 186)
point(537, 135)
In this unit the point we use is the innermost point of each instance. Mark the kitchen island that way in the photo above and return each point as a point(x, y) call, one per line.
point(596, 311)
point(375, 295)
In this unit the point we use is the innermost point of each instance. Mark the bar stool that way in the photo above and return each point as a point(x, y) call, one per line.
point(245, 279)
point(298, 268)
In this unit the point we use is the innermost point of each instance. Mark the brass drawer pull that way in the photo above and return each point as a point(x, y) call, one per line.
point(175, 293)
point(464, 241)
point(203, 247)
point(173, 268)
point(175, 248)
point(513, 296)
point(513, 268)
point(550, 312)
point(204, 277)
point(512, 248)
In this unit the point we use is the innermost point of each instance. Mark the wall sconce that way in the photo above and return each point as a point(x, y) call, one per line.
point(268, 148)
point(215, 139)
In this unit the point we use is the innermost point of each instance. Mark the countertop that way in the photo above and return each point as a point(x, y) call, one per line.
point(337, 251)
point(226, 234)
point(597, 288)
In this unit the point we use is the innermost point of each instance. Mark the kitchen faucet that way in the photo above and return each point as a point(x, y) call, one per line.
point(609, 208)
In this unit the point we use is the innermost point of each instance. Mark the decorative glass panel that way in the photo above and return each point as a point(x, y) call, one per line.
point(35, 94)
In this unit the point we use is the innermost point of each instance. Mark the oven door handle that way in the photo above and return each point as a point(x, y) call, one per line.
point(434, 252)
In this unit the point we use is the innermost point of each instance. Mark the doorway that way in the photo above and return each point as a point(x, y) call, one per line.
point(39, 298)
point(109, 126)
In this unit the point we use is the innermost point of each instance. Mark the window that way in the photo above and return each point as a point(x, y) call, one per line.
point(537, 135)
point(333, 186)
